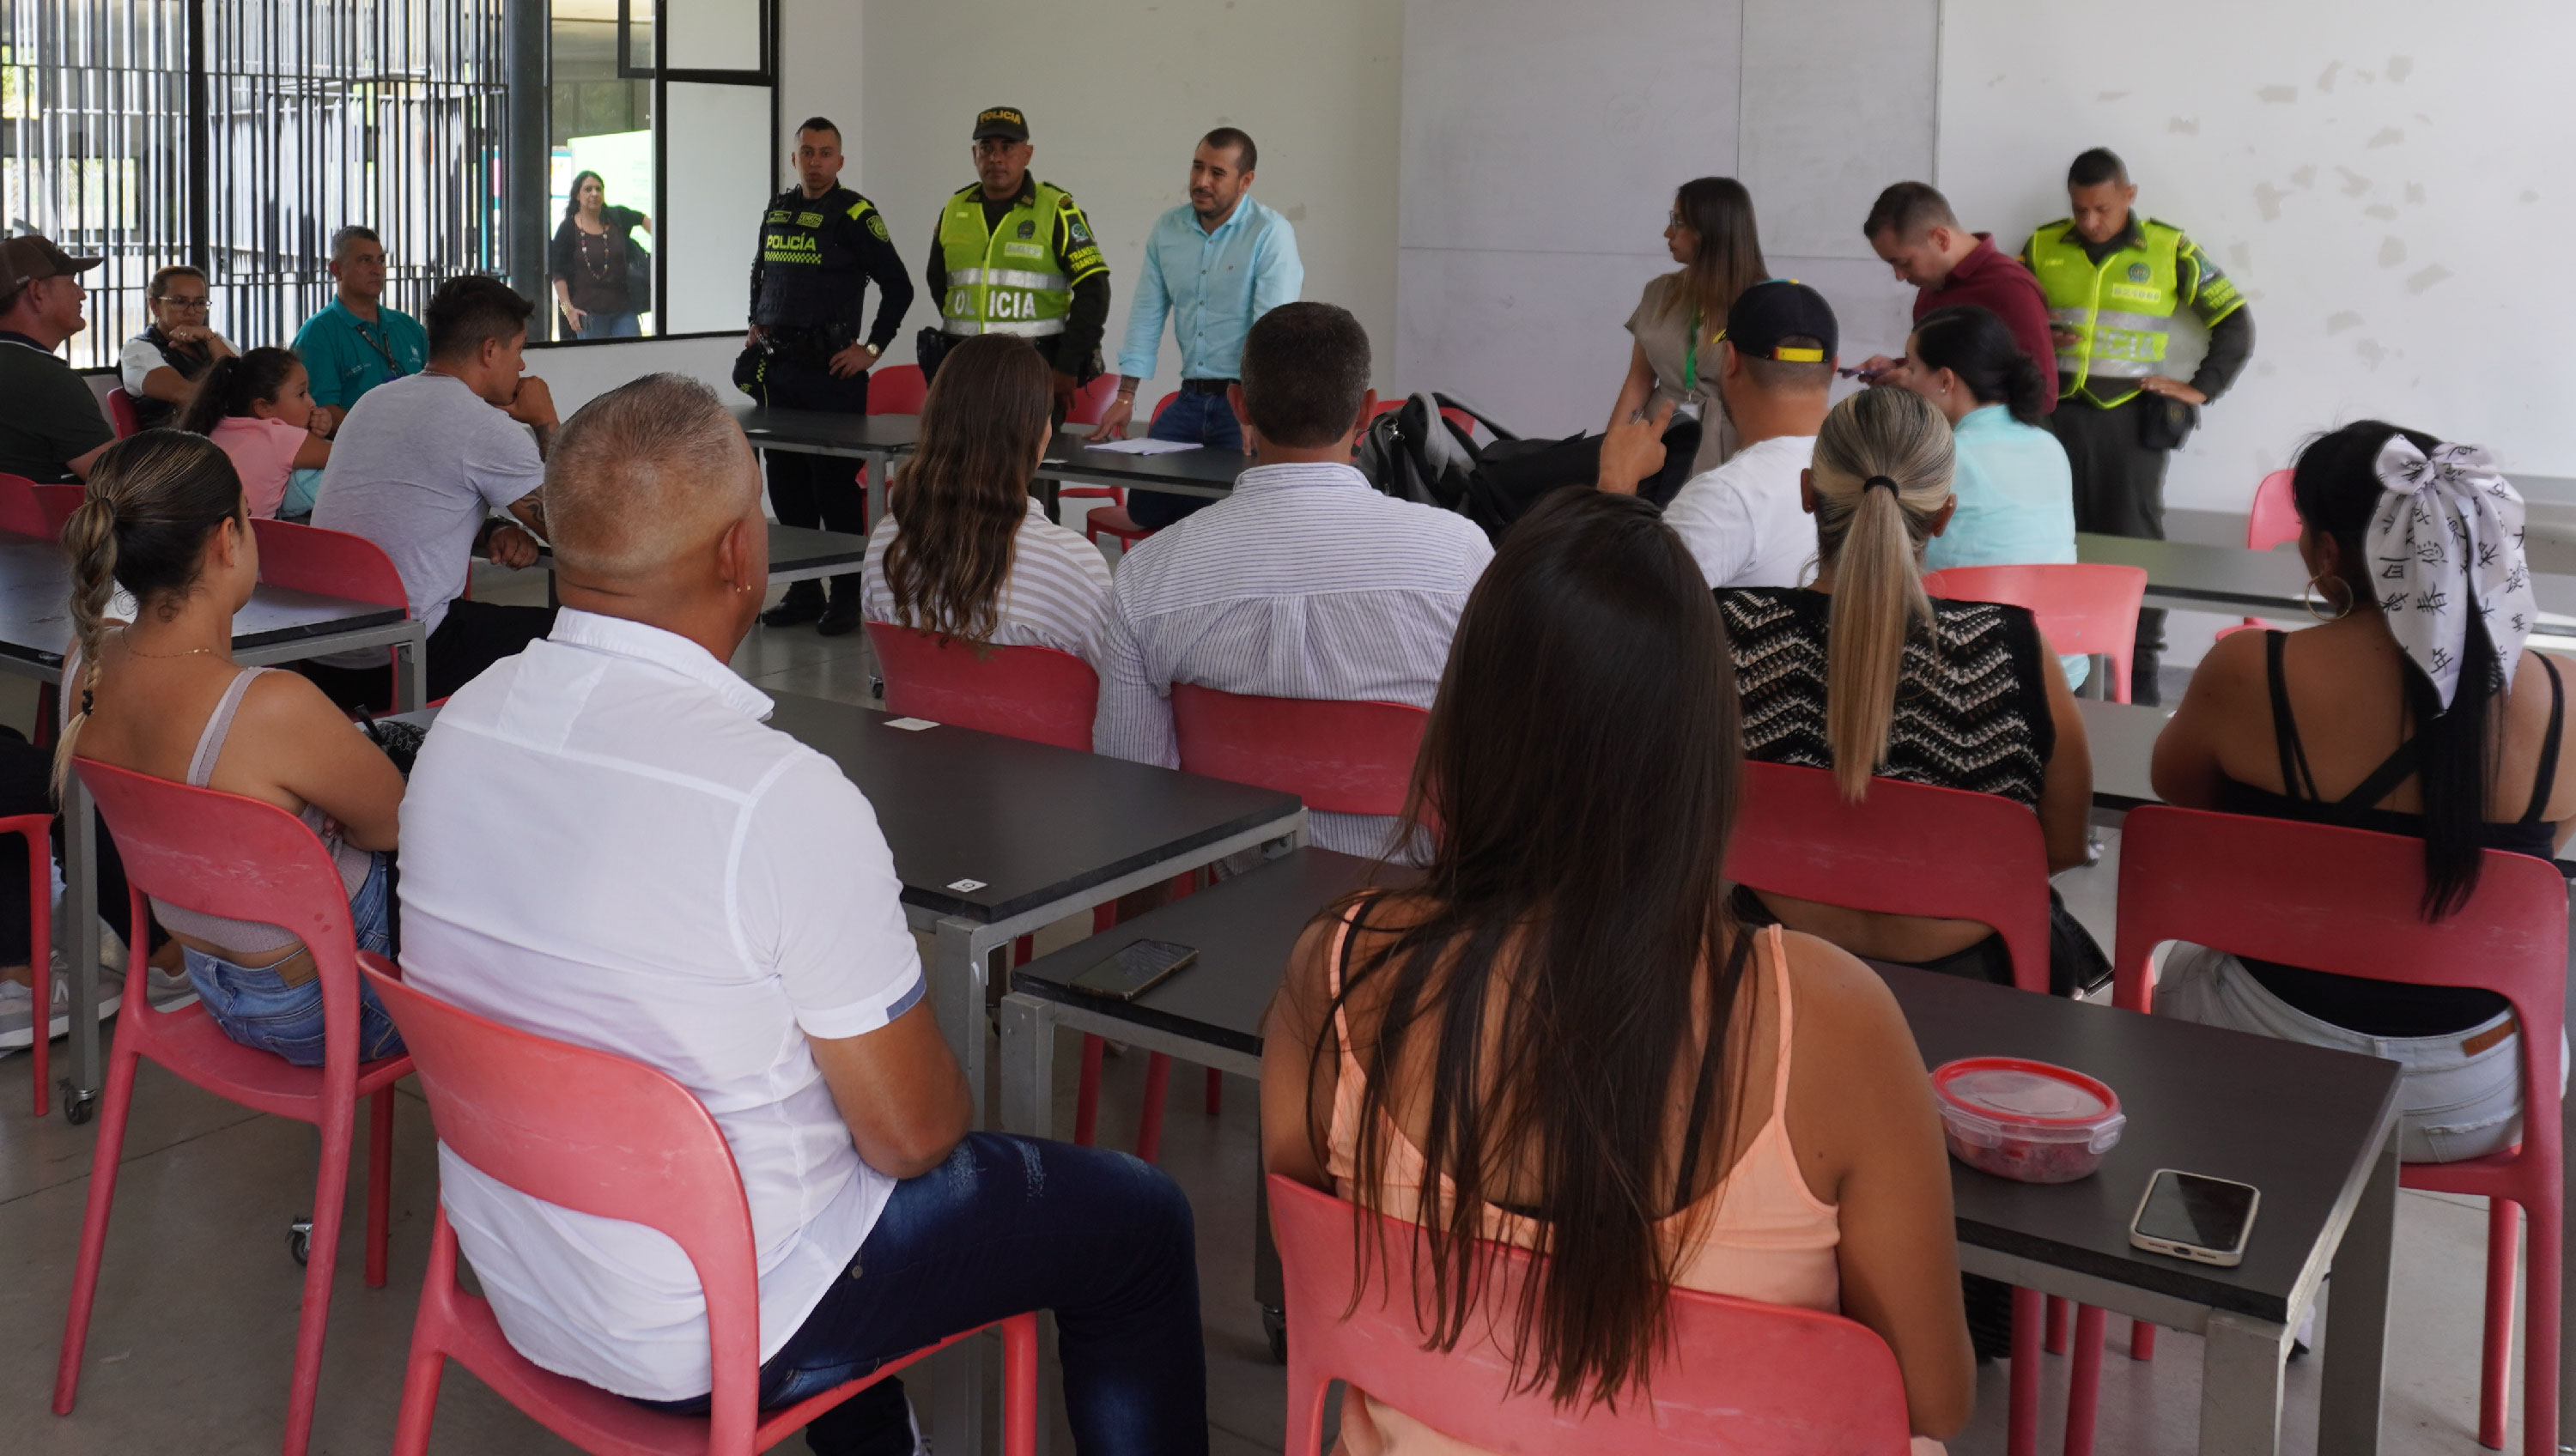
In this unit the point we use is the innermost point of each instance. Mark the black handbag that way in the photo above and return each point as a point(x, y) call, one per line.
point(639, 276)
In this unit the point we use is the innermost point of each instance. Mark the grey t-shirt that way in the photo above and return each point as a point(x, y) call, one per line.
point(418, 464)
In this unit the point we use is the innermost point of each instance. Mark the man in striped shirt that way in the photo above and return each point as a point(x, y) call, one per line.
point(1306, 582)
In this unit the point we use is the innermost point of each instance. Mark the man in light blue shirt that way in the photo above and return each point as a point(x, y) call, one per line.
point(1214, 267)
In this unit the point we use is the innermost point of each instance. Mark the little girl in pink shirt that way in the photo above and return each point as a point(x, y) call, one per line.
point(259, 409)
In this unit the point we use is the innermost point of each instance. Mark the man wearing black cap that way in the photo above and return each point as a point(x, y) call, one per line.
point(820, 245)
point(1014, 255)
point(1742, 521)
point(50, 425)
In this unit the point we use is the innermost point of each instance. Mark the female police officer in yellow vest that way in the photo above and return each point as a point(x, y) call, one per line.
point(2113, 282)
point(1014, 255)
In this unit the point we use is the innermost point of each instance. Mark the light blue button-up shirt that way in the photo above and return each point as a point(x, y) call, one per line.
point(1212, 286)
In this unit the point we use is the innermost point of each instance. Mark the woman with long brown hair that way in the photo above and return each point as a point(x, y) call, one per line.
point(1678, 322)
point(964, 550)
point(1749, 1114)
point(165, 519)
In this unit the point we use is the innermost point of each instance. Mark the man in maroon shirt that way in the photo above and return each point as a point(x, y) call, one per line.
point(1912, 228)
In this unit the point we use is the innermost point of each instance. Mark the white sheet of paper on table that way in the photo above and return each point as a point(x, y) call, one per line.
point(1143, 446)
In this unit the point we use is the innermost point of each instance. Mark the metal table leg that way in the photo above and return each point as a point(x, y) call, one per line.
point(1028, 1066)
point(2240, 1385)
point(80, 914)
point(2356, 1335)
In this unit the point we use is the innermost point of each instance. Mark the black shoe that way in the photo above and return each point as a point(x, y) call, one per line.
point(841, 618)
point(2145, 689)
point(802, 604)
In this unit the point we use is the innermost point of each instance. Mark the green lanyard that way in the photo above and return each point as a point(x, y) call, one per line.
point(1690, 354)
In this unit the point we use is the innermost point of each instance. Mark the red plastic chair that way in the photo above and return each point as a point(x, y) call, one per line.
point(1911, 849)
point(1340, 757)
point(20, 515)
point(121, 414)
point(896, 389)
point(1112, 519)
point(602, 1135)
point(37, 830)
point(1036, 693)
point(234, 856)
point(2274, 519)
point(2087, 608)
point(1737, 1377)
point(1091, 401)
point(331, 564)
point(58, 502)
point(2346, 900)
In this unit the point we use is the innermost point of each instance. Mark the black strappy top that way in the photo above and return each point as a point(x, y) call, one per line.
point(2383, 1008)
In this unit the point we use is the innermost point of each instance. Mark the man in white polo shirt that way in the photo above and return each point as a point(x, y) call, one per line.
point(1743, 521)
point(603, 843)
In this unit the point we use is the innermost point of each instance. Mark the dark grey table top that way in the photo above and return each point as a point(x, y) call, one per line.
point(2297, 1122)
point(1032, 822)
point(36, 620)
point(827, 429)
point(2265, 581)
point(1203, 469)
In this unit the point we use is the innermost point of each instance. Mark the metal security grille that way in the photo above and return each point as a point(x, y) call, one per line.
point(116, 116)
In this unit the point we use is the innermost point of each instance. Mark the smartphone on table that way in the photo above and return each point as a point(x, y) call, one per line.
point(1137, 968)
point(2197, 1217)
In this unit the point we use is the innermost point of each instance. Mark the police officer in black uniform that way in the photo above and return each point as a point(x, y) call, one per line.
point(820, 244)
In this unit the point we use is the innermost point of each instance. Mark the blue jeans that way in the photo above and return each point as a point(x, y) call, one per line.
point(1010, 1224)
point(258, 1009)
point(597, 325)
point(1201, 419)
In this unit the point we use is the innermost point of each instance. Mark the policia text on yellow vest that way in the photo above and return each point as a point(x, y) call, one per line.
point(1015, 266)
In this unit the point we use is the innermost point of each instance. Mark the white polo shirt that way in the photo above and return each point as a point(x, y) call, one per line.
point(603, 844)
point(1743, 522)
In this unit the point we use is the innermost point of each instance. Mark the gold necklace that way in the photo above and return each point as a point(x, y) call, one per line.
point(134, 651)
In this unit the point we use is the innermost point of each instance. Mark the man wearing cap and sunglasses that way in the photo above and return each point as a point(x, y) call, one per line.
point(1743, 521)
point(1014, 255)
point(50, 424)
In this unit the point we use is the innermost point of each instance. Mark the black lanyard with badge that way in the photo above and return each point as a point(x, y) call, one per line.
point(384, 347)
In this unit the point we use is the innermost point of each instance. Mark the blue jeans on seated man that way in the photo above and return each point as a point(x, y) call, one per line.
point(257, 1008)
point(1010, 1224)
point(1199, 419)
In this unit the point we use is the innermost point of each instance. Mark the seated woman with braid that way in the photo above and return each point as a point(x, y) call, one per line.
point(2432, 724)
point(165, 518)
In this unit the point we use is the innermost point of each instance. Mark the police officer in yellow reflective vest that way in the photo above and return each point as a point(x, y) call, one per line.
point(821, 244)
point(1014, 255)
point(2113, 281)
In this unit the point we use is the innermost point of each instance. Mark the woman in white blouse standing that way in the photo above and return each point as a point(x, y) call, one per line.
point(964, 549)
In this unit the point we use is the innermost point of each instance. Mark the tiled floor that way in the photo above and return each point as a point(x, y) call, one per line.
point(196, 1311)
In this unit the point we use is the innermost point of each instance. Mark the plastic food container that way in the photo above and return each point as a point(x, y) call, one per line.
point(2026, 1120)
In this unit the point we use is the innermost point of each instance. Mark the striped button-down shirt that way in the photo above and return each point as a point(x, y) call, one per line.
point(1307, 582)
point(1055, 593)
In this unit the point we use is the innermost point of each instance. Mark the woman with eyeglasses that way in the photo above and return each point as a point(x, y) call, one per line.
point(160, 365)
point(1678, 321)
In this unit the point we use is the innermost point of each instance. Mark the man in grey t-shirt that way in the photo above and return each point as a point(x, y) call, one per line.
point(419, 466)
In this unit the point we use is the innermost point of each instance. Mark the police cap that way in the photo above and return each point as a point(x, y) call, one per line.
point(1002, 121)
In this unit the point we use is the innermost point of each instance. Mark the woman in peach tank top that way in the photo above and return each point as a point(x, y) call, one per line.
point(1562, 1027)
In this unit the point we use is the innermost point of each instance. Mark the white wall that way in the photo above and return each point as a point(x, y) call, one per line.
point(1118, 93)
point(2387, 182)
point(577, 375)
point(1542, 144)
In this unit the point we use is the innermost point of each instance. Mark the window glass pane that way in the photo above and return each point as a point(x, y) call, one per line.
point(714, 35)
point(601, 121)
point(719, 149)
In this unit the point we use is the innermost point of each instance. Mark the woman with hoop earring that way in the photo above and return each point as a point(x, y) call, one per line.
point(2411, 708)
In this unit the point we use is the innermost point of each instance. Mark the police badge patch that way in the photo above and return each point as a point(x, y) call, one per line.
point(1028, 229)
point(876, 225)
point(2137, 272)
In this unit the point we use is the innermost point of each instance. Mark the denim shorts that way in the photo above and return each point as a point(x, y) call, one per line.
point(2452, 1103)
point(258, 1009)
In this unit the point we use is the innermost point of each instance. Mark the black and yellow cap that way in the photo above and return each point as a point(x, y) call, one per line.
point(1780, 309)
point(1002, 121)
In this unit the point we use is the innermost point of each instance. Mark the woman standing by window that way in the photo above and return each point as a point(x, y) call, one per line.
point(597, 290)
point(1678, 322)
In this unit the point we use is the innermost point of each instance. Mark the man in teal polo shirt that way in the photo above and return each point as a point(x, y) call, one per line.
point(357, 343)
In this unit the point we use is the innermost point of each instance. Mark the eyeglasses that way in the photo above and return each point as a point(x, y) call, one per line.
point(177, 301)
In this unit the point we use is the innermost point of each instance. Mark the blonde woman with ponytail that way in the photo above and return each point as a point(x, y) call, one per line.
point(1863, 674)
point(165, 519)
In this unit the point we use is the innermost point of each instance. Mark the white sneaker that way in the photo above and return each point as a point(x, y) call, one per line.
point(18, 1011)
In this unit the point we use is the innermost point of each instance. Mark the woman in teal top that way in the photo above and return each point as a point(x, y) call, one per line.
point(2016, 494)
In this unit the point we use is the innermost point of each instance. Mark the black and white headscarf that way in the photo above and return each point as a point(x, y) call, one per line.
point(2448, 541)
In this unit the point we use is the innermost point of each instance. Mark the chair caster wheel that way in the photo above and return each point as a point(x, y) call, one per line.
point(1274, 1323)
point(299, 1240)
point(78, 1107)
